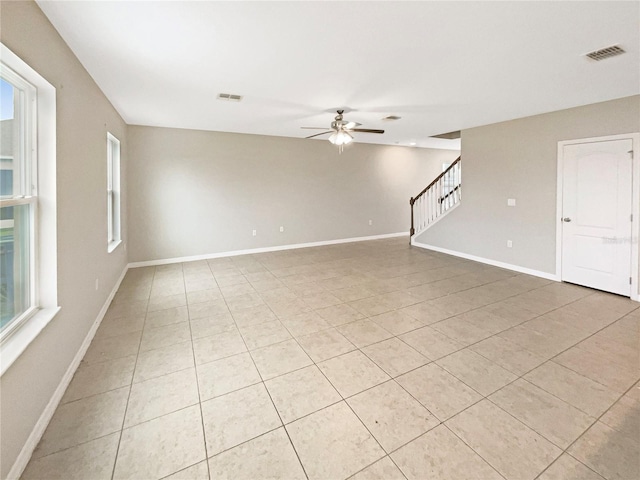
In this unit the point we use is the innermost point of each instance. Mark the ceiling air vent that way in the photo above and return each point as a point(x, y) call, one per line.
point(229, 97)
point(392, 117)
point(605, 53)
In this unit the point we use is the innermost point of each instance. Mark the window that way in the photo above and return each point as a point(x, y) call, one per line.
point(19, 198)
point(28, 262)
point(113, 193)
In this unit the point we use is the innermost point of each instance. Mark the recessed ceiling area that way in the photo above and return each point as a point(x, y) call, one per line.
point(440, 66)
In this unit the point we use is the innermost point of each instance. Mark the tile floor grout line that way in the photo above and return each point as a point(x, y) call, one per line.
point(379, 460)
point(521, 377)
point(397, 466)
point(431, 361)
point(319, 268)
point(557, 397)
point(264, 385)
point(124, 417)
point(344, 399)
point(398, 289)
point(440, 422)
point(483, 397)
point(578, 373)
point(195, 369)
point(85, 442)
point(244, 442)
point(597, 419)
point(286, 431)
point(184, 469)
point(559, 457)
point(306, 415)
point(401, 308)
point(497, 334)
point(563, 450)
point(526, 425)
point(274, 406)
point(576, 345)
point(471, 448)
point(392, 376)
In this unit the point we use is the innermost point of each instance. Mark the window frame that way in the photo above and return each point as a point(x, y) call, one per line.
point(114, 232)
point(25, 95)
point(39, 192)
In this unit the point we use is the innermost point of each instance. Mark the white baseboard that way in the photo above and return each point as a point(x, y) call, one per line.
point(41, 425)
point(494, 263)
point(233, 253)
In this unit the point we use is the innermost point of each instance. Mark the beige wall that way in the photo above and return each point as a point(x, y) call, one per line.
point(196, 193)
point(518, 159)
point(83, 117)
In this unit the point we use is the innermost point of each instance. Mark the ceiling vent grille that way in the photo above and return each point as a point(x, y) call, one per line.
point(392, 117)
point(229, 97)
point(605, 53)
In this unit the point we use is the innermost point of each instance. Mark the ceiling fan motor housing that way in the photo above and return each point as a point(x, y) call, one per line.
point(341, 130)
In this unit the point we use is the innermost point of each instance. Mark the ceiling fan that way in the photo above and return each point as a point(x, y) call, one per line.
point(341, 131)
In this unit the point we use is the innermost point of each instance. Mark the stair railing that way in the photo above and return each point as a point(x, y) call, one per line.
point(437, 198)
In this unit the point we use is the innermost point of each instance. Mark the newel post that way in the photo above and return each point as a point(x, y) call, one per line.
point(412, 231)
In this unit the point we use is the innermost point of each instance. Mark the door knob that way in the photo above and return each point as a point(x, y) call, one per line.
point(566, 219)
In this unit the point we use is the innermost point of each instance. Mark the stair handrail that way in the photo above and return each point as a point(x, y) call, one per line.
point(413, 200)
point(451, 192)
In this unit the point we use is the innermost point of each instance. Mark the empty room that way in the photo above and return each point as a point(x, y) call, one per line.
point(320, 240)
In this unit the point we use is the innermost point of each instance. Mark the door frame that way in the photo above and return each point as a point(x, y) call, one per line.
point(635, 207)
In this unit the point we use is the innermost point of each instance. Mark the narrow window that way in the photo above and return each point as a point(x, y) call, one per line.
point(113, 193)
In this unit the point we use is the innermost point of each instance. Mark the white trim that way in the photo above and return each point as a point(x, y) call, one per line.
point(635, 207)
point(113, 245)
point(494, 263)
point(38, 430)
point(44, 261)
point(233, 253)
point(635, 225)
point(559, 203)
point(17, 201)
point(114, 235)
point(27, 328)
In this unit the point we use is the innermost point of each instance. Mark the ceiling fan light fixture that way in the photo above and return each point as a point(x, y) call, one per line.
point(340, 138)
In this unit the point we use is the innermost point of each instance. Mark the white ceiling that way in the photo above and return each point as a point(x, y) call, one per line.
point(441, 66)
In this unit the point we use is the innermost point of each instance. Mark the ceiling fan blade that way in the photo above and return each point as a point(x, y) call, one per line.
point(351, 125)
point(367, 130)
point(314, 128)
point(318, 134)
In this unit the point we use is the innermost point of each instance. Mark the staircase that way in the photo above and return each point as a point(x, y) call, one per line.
point(439, 198)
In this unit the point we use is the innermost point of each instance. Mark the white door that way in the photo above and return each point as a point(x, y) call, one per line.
point(596, 223)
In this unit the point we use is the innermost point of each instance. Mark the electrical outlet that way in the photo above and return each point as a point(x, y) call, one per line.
point(281, 229)
point(509, 244)
point(511, 202)
point(255, 232)
point(97, 284)
point(370, 222)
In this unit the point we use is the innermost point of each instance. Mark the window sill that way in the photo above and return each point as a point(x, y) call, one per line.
point(113, 245)
point(17, 343)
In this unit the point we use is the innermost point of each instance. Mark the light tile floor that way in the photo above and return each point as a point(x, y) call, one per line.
point(369, 360)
